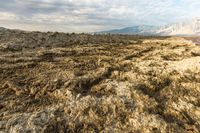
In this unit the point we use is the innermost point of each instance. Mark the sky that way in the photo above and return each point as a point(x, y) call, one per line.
point(93, 15)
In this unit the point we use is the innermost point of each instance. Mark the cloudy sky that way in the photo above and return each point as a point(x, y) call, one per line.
point(93, 15)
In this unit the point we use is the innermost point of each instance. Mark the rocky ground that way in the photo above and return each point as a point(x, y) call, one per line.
point(56, 82)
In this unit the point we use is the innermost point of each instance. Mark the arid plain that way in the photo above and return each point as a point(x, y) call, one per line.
point(58, 82)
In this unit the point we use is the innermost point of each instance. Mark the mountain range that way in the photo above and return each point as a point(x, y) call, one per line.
point(186, 28)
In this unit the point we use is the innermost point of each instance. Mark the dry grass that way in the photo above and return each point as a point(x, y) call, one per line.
point(56, 82)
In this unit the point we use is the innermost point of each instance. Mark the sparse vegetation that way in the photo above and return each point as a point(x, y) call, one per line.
point(57, 82)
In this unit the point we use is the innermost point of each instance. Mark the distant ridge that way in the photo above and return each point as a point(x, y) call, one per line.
point(187, 28)
point(3, 29)
point(141, 30)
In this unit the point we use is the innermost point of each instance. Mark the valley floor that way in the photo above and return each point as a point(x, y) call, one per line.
point(56, 82)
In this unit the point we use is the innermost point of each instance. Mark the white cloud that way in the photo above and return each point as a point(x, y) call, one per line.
point(57, 18)
point(84, 10)
point(64, 2)
point(95, 14)
point(121, 12)
point(8, 16)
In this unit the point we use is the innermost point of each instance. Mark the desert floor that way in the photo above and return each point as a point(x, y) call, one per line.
point(57, 82)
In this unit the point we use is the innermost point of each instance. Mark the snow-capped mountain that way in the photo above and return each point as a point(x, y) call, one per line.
point(141, 30)
point(186, 28)
point(181, 28)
